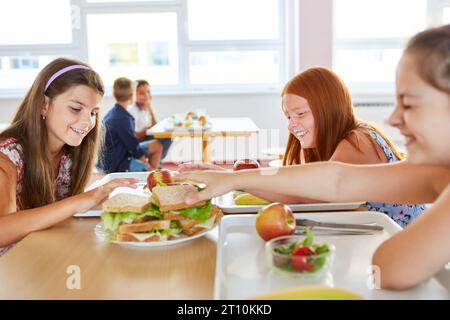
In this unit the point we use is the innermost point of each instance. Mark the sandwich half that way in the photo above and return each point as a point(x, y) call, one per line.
point(170, 200)
point(133, 218)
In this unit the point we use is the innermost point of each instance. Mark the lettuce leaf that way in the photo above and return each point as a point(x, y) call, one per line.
point(200, 213)
point(112, 220)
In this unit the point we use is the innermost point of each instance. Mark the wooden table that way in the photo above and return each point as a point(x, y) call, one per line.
point(220, 127)
point(36, 268)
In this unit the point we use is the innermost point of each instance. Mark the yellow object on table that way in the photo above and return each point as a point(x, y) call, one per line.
point(249, 199)
point(309, 293)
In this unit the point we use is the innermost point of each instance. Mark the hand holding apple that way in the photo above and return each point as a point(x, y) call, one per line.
point(275, 220)
point(159, 178)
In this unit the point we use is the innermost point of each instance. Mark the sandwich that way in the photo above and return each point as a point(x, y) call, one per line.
point(163, 216)
point(194, 218)
point(132, 218)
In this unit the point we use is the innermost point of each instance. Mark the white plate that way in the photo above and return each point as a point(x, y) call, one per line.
point(242, 270)
point(227, 204)
point(102, 234)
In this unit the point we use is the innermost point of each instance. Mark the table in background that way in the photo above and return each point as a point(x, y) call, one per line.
point(220, 127)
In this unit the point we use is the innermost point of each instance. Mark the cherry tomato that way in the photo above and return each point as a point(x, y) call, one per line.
point(301, 258)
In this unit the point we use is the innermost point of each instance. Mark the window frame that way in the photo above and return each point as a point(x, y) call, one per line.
point(79, 46)
point(371, 91)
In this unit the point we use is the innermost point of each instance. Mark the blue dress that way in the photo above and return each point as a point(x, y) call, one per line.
point(401, 213)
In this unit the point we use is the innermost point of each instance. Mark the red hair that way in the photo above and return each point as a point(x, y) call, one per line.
point(332, 108)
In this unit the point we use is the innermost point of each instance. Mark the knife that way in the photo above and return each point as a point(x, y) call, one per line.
point(333, 225)
point(333, 232)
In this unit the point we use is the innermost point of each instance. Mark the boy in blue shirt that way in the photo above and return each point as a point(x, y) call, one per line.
point(122, 150)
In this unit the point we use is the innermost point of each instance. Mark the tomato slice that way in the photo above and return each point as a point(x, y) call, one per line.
point(301, 258)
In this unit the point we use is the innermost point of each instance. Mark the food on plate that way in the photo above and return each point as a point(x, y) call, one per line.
point(294, 255)
point(192, 218)
point(191, 115)
point(275, 220)
point(247, 199)
point(309, 293)
point(243, 164)
point(160, 177)
point(163, 216)
point(131, 217)
point(190, 120)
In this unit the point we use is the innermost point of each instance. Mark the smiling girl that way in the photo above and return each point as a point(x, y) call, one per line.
point(423, 116)
point(323, 127)
point(48, 152)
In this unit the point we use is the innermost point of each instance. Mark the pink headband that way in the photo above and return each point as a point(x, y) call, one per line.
point(63, 70)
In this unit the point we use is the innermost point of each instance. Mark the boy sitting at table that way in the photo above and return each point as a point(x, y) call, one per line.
point(122, 150)
point(144, 116)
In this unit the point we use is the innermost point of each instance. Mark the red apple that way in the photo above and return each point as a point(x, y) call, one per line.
point(159, 178)
point(275, 220)
point(245, 164)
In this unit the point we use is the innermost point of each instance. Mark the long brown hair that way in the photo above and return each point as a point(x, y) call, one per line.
point(431, 51)
point(332, 108)
point(31, 133)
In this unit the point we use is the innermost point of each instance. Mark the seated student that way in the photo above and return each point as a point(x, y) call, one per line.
point(423, 115)
point(144, 116)
point(122, 150)
point(323, 127)
point(48, 152)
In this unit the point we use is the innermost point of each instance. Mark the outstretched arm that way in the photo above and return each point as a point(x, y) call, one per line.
point(332, 181)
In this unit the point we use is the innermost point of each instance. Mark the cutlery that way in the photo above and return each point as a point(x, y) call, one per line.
point(334, 225)
point(331, 232)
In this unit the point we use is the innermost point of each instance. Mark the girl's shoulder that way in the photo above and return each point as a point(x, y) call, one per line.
point(358, 148)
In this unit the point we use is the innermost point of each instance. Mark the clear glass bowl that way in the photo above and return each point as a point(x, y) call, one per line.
point(298, 266)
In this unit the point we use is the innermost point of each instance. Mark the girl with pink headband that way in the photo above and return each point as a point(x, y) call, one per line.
point(48, 152)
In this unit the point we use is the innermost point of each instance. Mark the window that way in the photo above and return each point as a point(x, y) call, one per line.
point(178, 45)
point(446, 15)
point(19, 15)
point(226, 49)
point(135, 45)
point(18, 72)
point(23, 53)
point(234, 67)
point(230, 20)
point(369, 38)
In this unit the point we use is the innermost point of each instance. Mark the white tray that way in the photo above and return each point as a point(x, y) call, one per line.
point(227, 204)
point(241, 269)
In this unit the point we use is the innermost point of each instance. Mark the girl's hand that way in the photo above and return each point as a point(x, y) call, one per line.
point(96, 196)
point(190, 166)
point(217, 183)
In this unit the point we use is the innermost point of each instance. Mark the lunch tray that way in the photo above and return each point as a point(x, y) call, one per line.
point(242, 271)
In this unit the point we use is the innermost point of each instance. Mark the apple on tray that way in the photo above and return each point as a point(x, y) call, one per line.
point(275, 220)
point(246, 164)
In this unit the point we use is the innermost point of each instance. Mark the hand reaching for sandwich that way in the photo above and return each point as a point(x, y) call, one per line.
point(96, 196)
point(217, 183)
